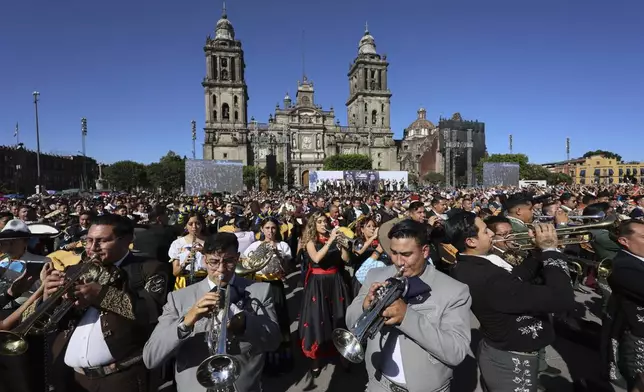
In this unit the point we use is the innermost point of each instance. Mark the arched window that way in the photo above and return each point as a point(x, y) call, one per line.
point(236, 115)
point(224, 74)
point(382, 108)
point(374, 116)
point(214, 100)
point(365, 120)
point(225, 112)
point(214, 115)
point(365, 107)
point(235, 101)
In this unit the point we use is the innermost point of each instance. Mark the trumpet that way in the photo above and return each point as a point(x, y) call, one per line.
point(345, 238)
point(49, 312)
point(574, 217)
point(219, 370)
point(582, 233)
point(351, 343)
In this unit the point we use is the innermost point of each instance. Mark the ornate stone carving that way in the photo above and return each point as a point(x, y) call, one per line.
point(307, 142)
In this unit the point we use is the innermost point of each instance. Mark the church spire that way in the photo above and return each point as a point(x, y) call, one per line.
point(366, 27)
point(223, 10)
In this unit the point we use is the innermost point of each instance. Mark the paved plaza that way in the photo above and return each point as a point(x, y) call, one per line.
point(575, 354)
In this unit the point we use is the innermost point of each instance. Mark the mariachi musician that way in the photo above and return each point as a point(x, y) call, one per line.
point(386, 212)
point(99, 342)
point(252, 329)
point(76, 232)
point(512, 311)
point(623, 326)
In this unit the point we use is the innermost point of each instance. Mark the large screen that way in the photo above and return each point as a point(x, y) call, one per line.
point(203, 176)
point(500, 174)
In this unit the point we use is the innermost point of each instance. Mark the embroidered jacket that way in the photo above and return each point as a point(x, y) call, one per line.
point(627, 282)
point(513, 311)
point(130, 303)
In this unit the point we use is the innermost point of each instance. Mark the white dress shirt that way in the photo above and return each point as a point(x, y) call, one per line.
point(392, 366)
point(87, 347)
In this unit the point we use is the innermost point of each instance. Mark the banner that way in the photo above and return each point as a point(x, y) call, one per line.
point(369, 177)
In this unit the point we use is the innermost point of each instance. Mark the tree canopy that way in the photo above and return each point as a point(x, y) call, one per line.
point(348, 162)
point(168, 174)
point(607, 154)
point(126, 175)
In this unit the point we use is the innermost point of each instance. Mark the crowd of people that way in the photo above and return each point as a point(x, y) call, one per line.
point(156, 278)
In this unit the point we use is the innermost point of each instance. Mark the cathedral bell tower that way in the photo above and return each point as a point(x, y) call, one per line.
point(369, 96)
point(226, 95)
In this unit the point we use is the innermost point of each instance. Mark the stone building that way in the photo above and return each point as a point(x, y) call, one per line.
point(419, 150)
point(301, 132)
point(19, 170)
point(452, 148)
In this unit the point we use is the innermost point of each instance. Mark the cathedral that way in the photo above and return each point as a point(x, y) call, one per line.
point(301, 132)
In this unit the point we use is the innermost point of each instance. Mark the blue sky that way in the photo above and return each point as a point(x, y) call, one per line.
point(541, 70)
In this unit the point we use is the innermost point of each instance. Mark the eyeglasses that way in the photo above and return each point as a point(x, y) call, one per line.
point(216, 262)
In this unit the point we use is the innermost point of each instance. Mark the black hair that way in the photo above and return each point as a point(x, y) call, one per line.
point(437, 199)
point(414, 205)
point(492, 221)
point(221, 242)
point(596, 209)
point(384, 199)
point(587, 199)
point(122, 226)
point(409, 228)
point(459, 227)
point(157, 211)
point(278, 233)
point(565, 196)
point(242, 223)
point(6, 214)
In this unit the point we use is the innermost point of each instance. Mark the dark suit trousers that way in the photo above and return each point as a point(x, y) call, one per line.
point(135, 378)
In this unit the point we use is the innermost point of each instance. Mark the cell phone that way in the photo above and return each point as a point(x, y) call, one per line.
point(33, 269)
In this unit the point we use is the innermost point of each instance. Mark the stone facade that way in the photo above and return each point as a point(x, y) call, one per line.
point(300, 133)
point(420, 151)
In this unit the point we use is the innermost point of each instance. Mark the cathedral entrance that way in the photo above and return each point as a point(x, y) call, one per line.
point(263, 184)
point(305, 179)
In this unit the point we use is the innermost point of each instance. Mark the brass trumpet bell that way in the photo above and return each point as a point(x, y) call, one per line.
point(217, 371)
point(348, 345)
point(12, 344)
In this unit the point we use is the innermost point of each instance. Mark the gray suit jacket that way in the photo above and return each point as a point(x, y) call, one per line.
point(262, 335)
point(434, 335)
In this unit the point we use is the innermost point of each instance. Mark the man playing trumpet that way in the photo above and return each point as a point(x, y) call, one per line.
point(425, 335)
point(512, 311)
point(183, 325)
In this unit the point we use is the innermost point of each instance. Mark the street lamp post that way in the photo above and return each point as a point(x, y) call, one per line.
point(194, 138)
point(83, 135)
point(36, 94)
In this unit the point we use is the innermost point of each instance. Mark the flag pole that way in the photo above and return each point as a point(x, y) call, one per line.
point(16, 134)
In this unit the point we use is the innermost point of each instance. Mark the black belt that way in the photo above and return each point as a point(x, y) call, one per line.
point(102, 371)
point(390, 385)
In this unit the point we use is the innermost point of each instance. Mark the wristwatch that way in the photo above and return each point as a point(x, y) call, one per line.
point(183, 328)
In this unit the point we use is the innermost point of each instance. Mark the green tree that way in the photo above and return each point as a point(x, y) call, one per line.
point(558, 178)
point(534, 172)
point(126, 175)
point(249, 175)
point(348, 162)
point(434, 178)
point(169, 174)
point(607, 154)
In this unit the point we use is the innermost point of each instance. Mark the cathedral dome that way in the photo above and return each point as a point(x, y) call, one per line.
point(224, 29)
point(421, 127)
point(367, 43)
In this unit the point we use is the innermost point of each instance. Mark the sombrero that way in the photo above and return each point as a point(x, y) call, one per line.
point(15, 229)
point(383, 234)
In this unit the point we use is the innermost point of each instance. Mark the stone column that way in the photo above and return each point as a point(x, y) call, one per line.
point(208, 107)
point(215, 67)
point(448, 157)
point(209, 67)
point(238, 75)
point(470, 179)
point(455, 157)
